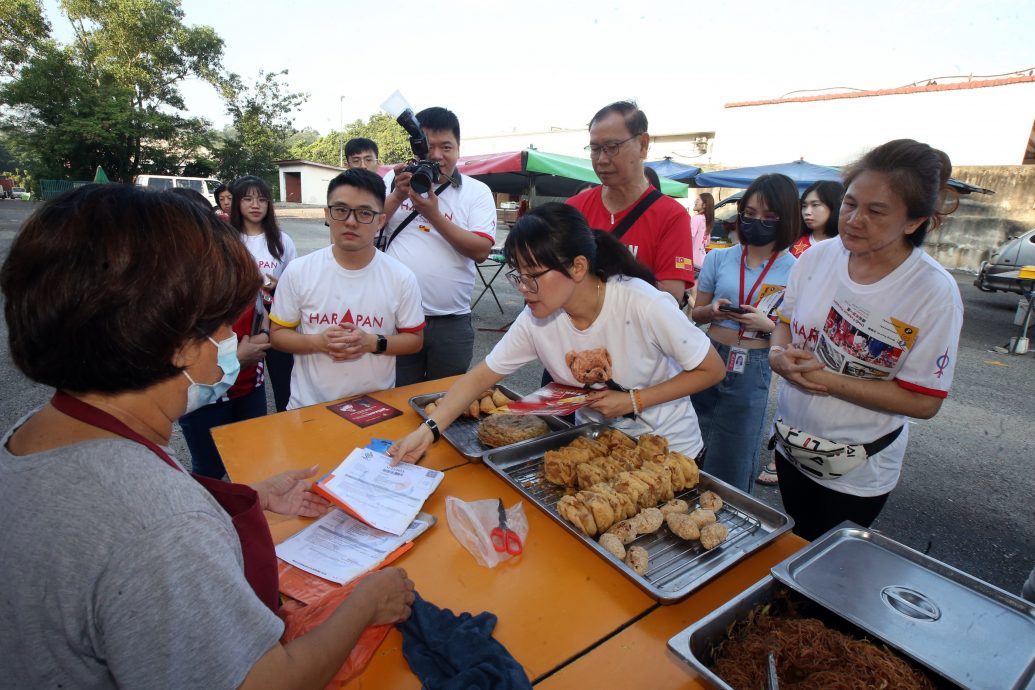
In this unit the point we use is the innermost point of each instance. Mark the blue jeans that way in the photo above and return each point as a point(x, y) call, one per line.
point(731, 415)
point(205, 458)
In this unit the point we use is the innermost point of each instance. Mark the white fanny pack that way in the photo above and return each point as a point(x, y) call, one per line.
point(825, 459)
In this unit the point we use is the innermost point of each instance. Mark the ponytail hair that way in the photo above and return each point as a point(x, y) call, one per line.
point(554, 234)
point(919, 174)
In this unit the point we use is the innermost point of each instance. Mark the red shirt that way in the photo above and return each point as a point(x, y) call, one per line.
point(250, 377)
point(803, 243)
point(659, 239)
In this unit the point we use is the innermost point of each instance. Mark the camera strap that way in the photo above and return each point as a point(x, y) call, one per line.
point(383, 245)
point(634, 215)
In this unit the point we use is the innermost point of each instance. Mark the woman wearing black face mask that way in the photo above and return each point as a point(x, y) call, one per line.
point(739, 291)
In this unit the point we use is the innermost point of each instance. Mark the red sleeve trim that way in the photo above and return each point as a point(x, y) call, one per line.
point(414, 329)
point(923, 390)
point(482, 234)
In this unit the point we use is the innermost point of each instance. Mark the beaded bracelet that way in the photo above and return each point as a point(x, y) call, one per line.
point(639, 401)
point(632, 399)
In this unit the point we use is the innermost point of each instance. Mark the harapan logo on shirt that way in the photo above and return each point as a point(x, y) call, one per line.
point(333, 319)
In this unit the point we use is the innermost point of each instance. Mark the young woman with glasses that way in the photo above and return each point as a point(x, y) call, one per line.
point(585, 293)
point(253, 215)
point(739, 291)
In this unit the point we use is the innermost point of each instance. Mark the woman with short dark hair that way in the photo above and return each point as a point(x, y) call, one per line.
point(738, 293)
point(119, 569)
point(867, 339)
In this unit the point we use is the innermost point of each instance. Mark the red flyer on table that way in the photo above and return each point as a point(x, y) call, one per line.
point(551, 399)
point(364, 410)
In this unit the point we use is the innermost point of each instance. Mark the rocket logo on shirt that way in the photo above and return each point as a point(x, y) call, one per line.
point(333, 319)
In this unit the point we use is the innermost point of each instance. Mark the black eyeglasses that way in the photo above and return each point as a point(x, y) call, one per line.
point(610, 149)
point(766, 222)
point(363, 215)
point(528, 280)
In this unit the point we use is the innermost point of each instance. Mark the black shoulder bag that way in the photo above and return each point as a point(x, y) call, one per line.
point(634, 215)
point(383, 242)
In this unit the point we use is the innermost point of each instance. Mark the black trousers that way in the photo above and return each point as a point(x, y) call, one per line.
point(817, 509)
point(278, 371)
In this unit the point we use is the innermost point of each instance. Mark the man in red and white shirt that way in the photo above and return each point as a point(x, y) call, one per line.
point(347, 311)
point(452, 232)
point(660, 238)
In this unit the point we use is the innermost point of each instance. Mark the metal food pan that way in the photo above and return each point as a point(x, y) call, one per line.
point(677, 567)
point(696, 644)
point(462, 434)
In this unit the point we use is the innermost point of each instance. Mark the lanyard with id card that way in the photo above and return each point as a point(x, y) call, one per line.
point(737, 359)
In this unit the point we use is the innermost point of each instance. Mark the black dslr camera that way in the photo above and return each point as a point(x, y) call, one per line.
point(425, 172)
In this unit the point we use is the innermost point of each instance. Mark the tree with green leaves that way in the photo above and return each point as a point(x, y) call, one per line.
point(391, 138)
point(109, 98)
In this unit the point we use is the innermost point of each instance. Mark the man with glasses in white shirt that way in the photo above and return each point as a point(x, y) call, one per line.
point(654, 227)
point(347, 311)
point(361, 152)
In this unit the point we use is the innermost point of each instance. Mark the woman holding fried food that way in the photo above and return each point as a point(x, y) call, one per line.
point(585, 293)
point(868, 336)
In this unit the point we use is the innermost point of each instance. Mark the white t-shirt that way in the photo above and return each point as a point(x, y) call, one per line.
point(649, 340)
point(315, 293)
point(905, 327)
point(266, 262)
point(445, 276)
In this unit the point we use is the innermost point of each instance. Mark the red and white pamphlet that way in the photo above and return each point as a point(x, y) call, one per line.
point(552, 399)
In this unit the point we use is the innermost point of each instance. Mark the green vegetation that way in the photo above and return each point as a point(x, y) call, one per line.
point(391, 139)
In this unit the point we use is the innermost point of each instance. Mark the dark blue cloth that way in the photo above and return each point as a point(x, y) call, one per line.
point(450, 652)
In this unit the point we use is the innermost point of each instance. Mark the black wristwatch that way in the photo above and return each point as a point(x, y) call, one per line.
point(433, 425)
point(382, 345)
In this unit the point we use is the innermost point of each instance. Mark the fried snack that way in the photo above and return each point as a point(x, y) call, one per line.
point(627, 457)
point(625, 483)
point(649, 520)
point(603, 513)
point(710, 500)
point(503, 429)
point(702, 517)
point(638, 559)
point(624, 530)
point(614, 545)
point(595, 447)
point(559, 465)
point(714, 534)
point(676, 505)
point(498, 399)
point(615, 439)
point(429, 408)
point(474, 410)
point(486, 405)
point(683, 526)
point(597, 470)
point(651, 445)
point(622, 506)
point(573, 510)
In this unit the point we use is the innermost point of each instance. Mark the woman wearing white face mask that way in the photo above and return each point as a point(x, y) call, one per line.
point(124, 570)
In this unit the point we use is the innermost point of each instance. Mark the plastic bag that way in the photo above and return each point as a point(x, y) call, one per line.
point(471, 524)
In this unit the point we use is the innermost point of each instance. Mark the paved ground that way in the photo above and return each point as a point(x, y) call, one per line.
point(966, 492)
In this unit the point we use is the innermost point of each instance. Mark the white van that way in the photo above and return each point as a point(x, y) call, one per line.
point(206, 187)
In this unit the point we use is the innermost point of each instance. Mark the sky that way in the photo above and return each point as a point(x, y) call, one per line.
point(529, 66)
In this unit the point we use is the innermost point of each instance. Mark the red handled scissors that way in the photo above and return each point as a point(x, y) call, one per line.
point(503, 538)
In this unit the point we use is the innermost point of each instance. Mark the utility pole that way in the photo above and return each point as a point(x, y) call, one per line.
point(341, 132)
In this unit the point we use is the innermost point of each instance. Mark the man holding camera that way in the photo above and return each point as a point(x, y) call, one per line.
point(654, 227)
point(441, 235)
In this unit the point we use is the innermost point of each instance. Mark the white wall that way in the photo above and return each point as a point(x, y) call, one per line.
point(977, 126)
point(314, 182)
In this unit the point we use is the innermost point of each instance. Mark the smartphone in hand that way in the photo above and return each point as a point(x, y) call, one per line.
point(732, 309)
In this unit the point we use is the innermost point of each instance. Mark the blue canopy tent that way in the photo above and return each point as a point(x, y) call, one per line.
point(667, 167)
point(802, 172)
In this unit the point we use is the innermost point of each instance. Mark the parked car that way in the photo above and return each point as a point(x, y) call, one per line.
point(204, 186)
point(1015, 253)
point(20, 193)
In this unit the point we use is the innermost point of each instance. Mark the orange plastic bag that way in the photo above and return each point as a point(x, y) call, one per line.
point(299, 619)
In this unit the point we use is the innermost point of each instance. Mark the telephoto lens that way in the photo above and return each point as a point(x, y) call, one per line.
point(423, 177)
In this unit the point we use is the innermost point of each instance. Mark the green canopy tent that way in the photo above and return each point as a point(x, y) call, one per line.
point(537, 173)
point(100, 177)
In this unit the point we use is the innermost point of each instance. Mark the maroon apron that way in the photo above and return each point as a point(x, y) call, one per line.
point(240, 501)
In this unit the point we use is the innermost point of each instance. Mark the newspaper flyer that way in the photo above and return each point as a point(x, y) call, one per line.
point(770, 300)
point(857, 342)
point(385, 496)
point(340, 548)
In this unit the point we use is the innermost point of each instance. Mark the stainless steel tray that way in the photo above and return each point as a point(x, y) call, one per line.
point(677, 567)
point(972, 633)
point(462, 434)
point(695, 644)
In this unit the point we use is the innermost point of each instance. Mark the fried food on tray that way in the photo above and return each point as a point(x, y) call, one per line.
point(638, 559)
point(474, 410)
point(486, 405)
point(625, 531)
point(676, 505)
point(649, 520)
point(559, 465)
point(702, 517)
point(710, 500)
point(575, 512)
point(615, 439)
point(603, 513)
point(503, 429)
point(683, 526)
point(614, 545)
point(650, 445)
point(623, 507)
point(714, 534)
point(498, 398)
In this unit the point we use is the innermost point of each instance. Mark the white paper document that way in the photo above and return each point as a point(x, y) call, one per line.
point(384, 496)
point(340, 548)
